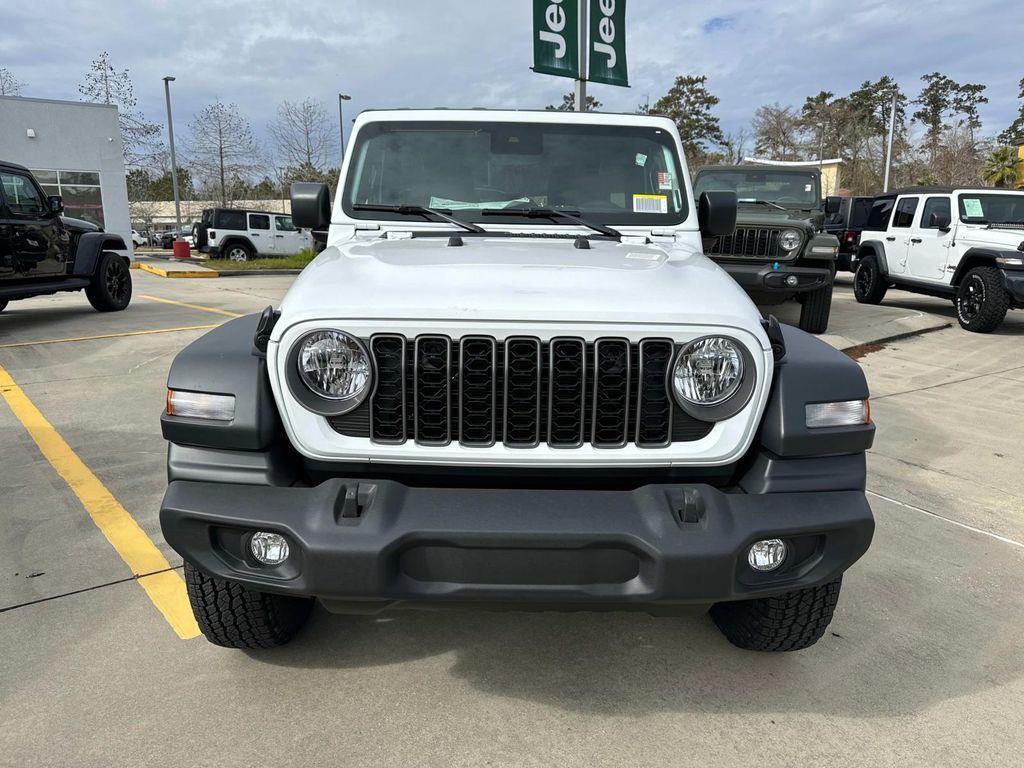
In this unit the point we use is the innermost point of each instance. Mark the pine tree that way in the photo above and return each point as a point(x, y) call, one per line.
point(688, 104)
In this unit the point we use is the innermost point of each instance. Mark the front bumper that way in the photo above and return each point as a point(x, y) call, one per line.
point(778, 276)
point(1014, 281)
point(381, 541)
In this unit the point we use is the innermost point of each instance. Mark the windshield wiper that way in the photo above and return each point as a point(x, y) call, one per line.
point(764, 202)
point(420, 210)
point(553, 213)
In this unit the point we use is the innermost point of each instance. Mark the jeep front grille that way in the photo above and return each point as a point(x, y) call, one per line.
point(478, 391)
point(748, 242)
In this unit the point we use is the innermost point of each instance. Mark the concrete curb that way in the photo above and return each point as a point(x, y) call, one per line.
point(256, 272)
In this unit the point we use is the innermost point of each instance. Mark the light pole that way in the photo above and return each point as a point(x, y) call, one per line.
point(174, 163)
point(888, 150)
point(341, 129)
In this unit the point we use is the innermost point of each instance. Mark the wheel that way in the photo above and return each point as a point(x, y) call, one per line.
point(982, 300)
point(199, 235)
point(111, 286)
point(237, 617)
point(869, 286)
point(788, 622)
point(815, 309)
point(238, 252)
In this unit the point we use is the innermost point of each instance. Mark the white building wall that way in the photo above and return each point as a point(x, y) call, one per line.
point(70, 136)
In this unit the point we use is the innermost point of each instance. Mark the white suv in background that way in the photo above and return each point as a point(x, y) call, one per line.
point(241, 235)
point(963, 244)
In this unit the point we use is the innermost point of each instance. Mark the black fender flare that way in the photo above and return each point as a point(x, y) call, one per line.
point(975, 257)
point(876, 249)
point(90, 246)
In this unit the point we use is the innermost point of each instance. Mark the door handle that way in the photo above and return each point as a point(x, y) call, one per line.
point(915, 239)
point(890, 239)
point(254, 234)
point(278, 235)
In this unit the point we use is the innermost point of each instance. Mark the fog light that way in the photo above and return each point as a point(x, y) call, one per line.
point(792, 280)
point(767, 555)
point(269, 548)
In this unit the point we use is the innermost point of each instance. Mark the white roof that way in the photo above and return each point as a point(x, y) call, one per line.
point(793, 163)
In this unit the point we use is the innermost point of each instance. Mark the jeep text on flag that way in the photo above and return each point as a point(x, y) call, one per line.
point(608, 42)
point(556, 37)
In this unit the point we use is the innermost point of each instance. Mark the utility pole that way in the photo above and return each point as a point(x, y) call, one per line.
point(174, 163)
point(888, 150)
point(581, 82)
point(341, 129)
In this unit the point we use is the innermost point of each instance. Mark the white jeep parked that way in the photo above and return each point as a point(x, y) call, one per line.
point(513, 378)
point(240, 234)
point(963, 244)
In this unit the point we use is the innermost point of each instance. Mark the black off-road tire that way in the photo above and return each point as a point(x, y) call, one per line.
point(199, 236)
point(111, 286)
point(237, 617)
point(789, 622)
point(982, 300)
point(815, 310)
point(869, 285)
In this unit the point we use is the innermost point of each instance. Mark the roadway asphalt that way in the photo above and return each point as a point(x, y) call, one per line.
point(923, 664)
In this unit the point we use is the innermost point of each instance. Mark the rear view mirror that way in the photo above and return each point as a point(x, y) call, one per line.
point(832, 205)
point(311, 205)
point(939, 221)
point(716, 213)
point(56, 204)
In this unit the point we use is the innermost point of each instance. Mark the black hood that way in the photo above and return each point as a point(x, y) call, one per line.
point(80, 225)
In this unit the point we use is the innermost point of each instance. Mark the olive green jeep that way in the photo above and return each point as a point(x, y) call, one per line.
point(779, 250)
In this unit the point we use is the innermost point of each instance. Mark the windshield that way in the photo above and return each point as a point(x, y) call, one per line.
point(797, 188)
point(1006, 208)
point(609, 174)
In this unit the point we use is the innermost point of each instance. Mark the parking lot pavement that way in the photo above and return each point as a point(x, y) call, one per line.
point(922, 666)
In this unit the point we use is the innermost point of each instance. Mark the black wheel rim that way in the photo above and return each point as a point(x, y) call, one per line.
point(972, 297)
point(864, 278)
point(116, 279)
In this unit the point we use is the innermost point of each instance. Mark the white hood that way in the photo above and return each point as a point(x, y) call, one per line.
point(509, 279)
point(1001, 239)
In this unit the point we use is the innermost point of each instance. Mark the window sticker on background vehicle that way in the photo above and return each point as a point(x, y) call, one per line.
point(807, 187)
point(972, 207)
point(664, 180)
point(641, 159)
point(650, 204)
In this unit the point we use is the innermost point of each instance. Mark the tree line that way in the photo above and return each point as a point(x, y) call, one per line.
point(938, 136)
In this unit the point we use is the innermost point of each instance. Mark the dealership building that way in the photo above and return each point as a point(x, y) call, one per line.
point(74, 150)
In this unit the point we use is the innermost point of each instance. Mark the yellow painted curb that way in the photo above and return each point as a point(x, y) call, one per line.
point(134, 265)
point(178, 272)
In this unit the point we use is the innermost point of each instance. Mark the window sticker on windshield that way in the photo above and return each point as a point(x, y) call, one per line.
point(650, 204)
point(972, 207)
point(641, 159)
point(664, 180)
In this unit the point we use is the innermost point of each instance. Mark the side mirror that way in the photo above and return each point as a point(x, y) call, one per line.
point(832, 205)
point(56, 203)
point(311, 205)
point(716, 213)
point(939, 221)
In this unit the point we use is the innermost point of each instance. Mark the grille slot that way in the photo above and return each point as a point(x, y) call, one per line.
point(748, 242)
point(610, 419)
point(567, 385)
point(479, 391)
point(431, 390)
point(654, 408)
point(522, 392)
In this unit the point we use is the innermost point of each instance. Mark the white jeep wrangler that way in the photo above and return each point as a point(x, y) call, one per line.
point(914, 242)
point(513, 378)
point(241, 234)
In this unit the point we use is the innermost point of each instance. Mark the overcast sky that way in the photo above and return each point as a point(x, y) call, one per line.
point(447, 53)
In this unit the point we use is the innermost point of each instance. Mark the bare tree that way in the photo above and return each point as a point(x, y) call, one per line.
point(140, 138)
point(303, 135)
point(734, 145)
point(223, 147)
point(777, 132)
point(9, 84)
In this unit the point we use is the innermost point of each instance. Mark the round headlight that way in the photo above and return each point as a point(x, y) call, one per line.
point(789, 239)
point(334, 365)
point(708, 371)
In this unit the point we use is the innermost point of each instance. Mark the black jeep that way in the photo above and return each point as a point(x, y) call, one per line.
point(42, 252)
point(779, 250)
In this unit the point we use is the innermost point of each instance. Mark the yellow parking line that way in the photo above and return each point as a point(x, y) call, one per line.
point(185, 304)
point(107, 336)
point(165, 587)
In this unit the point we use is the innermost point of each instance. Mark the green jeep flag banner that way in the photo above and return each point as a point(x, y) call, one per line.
point(556, 37)
point(607, 42)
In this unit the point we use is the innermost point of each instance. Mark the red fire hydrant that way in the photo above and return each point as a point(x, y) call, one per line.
point(181, 249)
